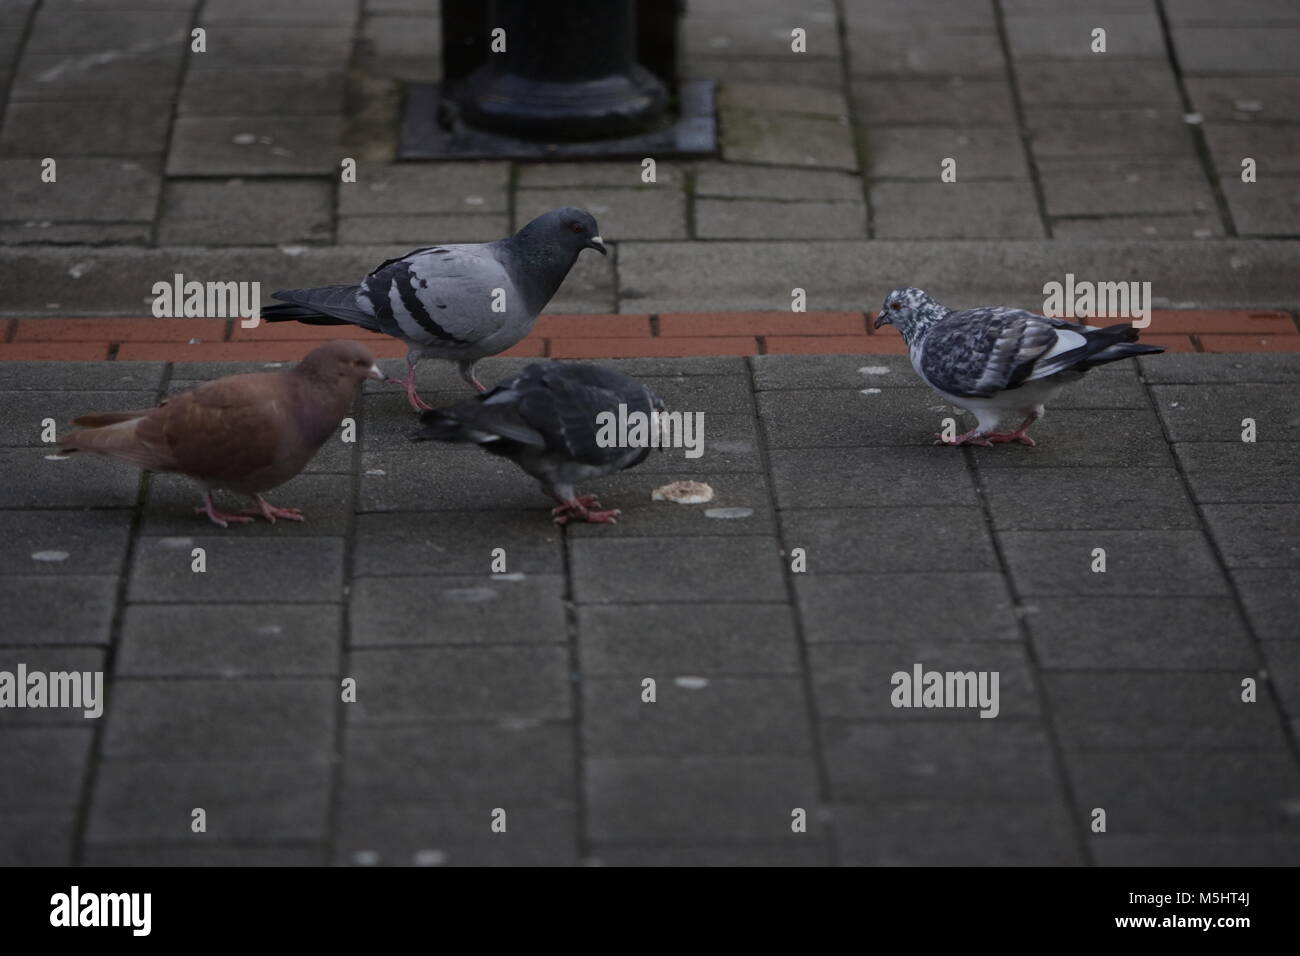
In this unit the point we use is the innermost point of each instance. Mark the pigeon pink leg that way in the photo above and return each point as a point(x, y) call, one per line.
point(972, 437)
point(467, 373)
point(220, 518)
point(270, 512)
point(1017, 435)
point(583, 508)
point(408, 383)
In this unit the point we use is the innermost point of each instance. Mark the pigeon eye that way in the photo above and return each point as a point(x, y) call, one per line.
point(895, 306)
point(576, 227)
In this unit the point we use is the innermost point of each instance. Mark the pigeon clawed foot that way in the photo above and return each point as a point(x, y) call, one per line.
point(220, 518)
point(1001, 438)
point(583, 508)
point(270, 512)
point(972, 437)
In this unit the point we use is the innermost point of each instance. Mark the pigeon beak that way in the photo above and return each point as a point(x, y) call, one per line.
point(882, 318)
point(597, 243)
point(376, 372)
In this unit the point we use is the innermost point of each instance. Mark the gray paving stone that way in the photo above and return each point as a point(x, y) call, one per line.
point(205, 719)
point(95, 542)
point(917, 538)
point(759, 182)
point(729, 716)
point(38, 231)
point(1246, 98)
point(760, 33)
point(957, 606)
point(1273, 148)
point(1129, 36)
point(621, 213)
point(280, 11)
point(1192, 367)
point(411, 836)
point(1143, 563)
point(947, 834)
point(62, 609)
point(38, 838)
point(1111, 386)
point(1098, 438)
point(426, 189)
point(92, 31)
point(697, 799)
point(933, 100)
point(49, 658)
point(400, 46)
point(267, 640)
point(1154, 226)
point(280, 146)
point(458, 766)
point(833, 418)
point(766, 219)
point(241, 213)
point(24, 421)
point(786, 139)
point(1086, 498)
point(325, 500)
point(408, 685)
point(73, 129)
point(1283, 661)
point(1269, 597)
point(461, 609)
point(743, 569)
point(793, 70)
point(83, 376)
point(1270, 207)
point(419, 230)
point(247, 570)
point(1130, 633)
point(78, 481)
point(1125, 188)
point(432, 478)
point(254, 46)
point(810, 853)
point(1098, 133)
point(87, 189)
point(989, 761)
point(781, 98)
point(926, 50)
point(919, 152)
point(304, 91)
point(1263, 850)
point(169, 856)
point(1206, 11)
point(1199, 713)
point(1212, 50)
point(1186, 793)
point(455, 542)
point(1255, 535)
point(44, 767)
point(694, 640)
point(875, 476)
point(1098, 81)
point(58, 77)
point(853, 681)
point(624, 174)
point(258, 802)
point(959, 210)
point(1215, 412)
point(1236, 472)
point(740, 505)
point(832, 371)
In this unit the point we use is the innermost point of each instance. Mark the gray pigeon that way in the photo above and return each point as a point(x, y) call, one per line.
point(996, 362)
point(457, 302)
point(545, 421)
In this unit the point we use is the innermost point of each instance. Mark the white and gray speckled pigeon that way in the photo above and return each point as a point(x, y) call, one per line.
point(442, 301)
point(545, 421)
point(996, 362)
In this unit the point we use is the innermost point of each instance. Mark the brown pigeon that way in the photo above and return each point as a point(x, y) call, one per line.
point(244, 433)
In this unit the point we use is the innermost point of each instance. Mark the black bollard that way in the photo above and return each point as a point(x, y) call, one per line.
point(568, 72)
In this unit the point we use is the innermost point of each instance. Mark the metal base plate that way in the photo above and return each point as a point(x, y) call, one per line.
point(424, 136)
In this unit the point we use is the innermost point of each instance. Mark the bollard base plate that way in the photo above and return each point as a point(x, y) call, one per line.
point(429, 133)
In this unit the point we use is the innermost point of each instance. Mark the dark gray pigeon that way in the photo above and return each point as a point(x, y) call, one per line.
point(545, 421)
point(456, 302)
point(997, 362)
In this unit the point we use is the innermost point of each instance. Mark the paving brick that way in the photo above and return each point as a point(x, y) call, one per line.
point(695, 799)
point(198, 640)
point(1215, 412)
point(1013, 834)
point(677, 570)
point(44, 767)
point(94, 542)
point(1269, 207)
point(623, 173)
point(1273, 148)
point(77, 481)
point(399, 46)
point(35, 129)
point(1207, 50)
point(280, 11)
point(924, 538)
point(152, 74)
point(426, 189)
point(411, 836)
point(1185, 793)
point(1129, 36)
point(245, 213)
point(960, 210)
point(1150, 563)
point(920, 152)
point(50, 658)
point(1084, 498)
point(434, 477)
point(1069, 438)
point(1269, 597)
point(760, 323)
point(786, 139)
point(597, 326)
point(621, 213)
point(1125, 187)
point(1283, 661)
point(1280, 369)
point(1207, 11)
point(207, 856)
point(250, 570)
point(62, 609)
point(626, 347)
point(94, 190)
point(853, 681)
point(739, 507)
point(1097, 81)
point(1248, 343)
point(1246, 98)
point(781, 98)
point(38, 838)
point(463, 609)
point(729, 716)
point(1154, 226)
point(255, 146)
point(120, 330)
point(819, 345)
point(760, 182)
point(1238, 472)
point(325, 500)
point(205, 719)
point(945, 606)
point(826, 74)
point(949, 100)
point(702, 640)
point(29, 412)
point(809, 853)
point(1098, 633)
point(962, 763)
point(826, 417)
point(876, 476)
point(455, 542)
point(926, 50)
point(420, 230)
point(1255, 535)
point(280, 351)
point(770, 219)
point(304, 91)
point(848, 371)
point(1198, 850)
point(410, 685)
point(257, 802)
point(1238, 321)
point(721, 31)
point(1097, 133)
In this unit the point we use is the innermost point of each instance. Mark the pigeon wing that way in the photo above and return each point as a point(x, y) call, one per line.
point(977, 353)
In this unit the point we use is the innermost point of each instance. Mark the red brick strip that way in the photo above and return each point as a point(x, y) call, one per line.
point(671, 334)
